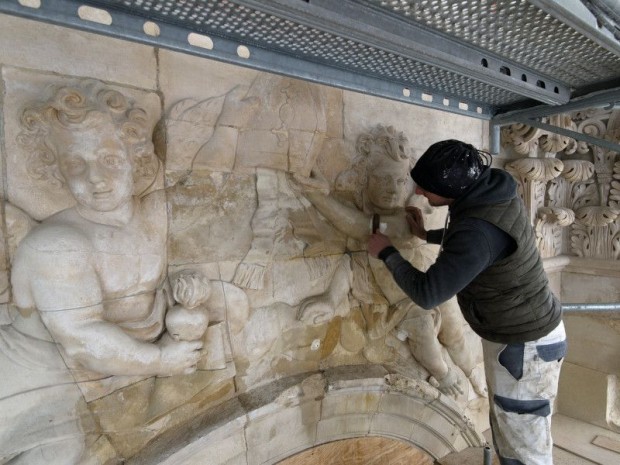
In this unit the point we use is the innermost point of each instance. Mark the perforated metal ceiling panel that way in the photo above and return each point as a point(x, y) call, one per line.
point(475, 57)
point(517, 30)
point(224, 18)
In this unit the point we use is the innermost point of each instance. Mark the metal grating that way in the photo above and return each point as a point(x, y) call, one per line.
point(517, 30)
point(481, 58)
point(223, 18)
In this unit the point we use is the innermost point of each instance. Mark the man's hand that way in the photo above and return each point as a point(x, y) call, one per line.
point(416, 222)
point(377, 242)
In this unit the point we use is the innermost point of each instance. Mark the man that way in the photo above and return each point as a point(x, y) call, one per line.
point(489, 260)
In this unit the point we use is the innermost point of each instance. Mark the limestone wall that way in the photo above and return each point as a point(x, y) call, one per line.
point(181, 277)
point(184, 272)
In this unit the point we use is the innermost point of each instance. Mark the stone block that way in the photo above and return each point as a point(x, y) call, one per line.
point(422, 126)
point(582, 394)
point(225, 446)
point(282, 432)
point(45, 47)
point(591, 287)
point(391, 426)
point(335, 405)
point(344, 426)
point(591, 334)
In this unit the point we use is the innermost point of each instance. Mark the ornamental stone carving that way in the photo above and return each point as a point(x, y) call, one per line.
point(549, 225)
point(522, 138)
point(587, 185)
point(162, 268)
point(90, 281)
point(533, 175)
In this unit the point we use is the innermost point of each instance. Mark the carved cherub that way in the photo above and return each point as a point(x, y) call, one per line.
point(96, 271)
point(89, 281)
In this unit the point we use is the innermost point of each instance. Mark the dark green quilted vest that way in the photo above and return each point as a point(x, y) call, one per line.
point(510, 301)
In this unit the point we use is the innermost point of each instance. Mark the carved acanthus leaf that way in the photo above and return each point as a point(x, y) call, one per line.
point(536, 169)
point(584, 194)
point(523, 138)
point(597, 241)
point(596, 215)
point(555, 143)
point(614, 193)
point(577, 170)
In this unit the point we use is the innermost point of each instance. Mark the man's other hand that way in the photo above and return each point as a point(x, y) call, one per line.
point(377, 242)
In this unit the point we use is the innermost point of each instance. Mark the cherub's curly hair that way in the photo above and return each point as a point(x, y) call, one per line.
point(83, 107)
point(392, 142)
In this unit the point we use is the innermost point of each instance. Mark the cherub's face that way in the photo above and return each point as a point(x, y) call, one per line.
point(96, 166)
point(388, 183)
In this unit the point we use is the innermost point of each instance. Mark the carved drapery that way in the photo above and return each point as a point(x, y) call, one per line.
point(570, 187)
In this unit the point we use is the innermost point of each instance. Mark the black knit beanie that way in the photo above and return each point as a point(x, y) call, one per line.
point(448, 168)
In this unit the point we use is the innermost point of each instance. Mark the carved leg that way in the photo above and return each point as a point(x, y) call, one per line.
point(421, 329)
point(463, 351)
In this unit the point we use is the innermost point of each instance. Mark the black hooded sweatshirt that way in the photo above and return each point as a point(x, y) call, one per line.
point(489, 260)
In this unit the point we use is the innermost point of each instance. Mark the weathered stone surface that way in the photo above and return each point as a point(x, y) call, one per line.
point(176, 290)
point(55, 49)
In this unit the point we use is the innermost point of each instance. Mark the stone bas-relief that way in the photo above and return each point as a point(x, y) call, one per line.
point(231, 209)
point(110, 352)
point(90, 281)
point(295, 268)
point(380, 185)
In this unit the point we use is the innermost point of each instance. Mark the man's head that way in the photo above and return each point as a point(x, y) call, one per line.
point(446, 170)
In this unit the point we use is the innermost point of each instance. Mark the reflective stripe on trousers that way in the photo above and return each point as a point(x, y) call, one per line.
point(522, 380)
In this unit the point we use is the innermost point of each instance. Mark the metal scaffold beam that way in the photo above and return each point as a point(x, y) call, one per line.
point(532, 117)
point(354, 20)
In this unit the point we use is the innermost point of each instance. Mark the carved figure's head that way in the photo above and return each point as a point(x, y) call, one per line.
point(386, 181)
point(91, 139)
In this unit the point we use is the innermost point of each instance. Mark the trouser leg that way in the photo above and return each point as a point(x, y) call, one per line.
point(522, 382)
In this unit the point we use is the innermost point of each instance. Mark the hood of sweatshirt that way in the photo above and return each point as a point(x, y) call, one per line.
point(492, 187)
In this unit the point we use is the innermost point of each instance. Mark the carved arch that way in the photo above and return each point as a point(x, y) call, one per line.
point(281, 419)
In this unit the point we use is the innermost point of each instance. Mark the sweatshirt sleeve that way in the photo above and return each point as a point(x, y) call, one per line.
point(465, 254)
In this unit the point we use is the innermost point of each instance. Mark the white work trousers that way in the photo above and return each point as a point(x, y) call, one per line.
point(522, 379)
